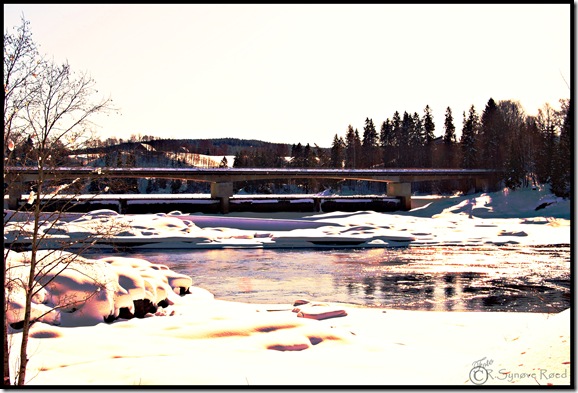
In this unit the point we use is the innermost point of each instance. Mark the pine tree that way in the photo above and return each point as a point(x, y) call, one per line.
point(492, 137)
point(428, 138)
point(358, 151)
point(450, 129)
point(239, 161)
point(397, 138)
point(297, 156)
point(407, 156)
point(337, 152)
point(369, 144)
point(386, 136)
point(416, 142)
point(469, 139)
point(353, 148)
point(428, 125)
point(308, 160)
point(387, 142)
point(416, 131)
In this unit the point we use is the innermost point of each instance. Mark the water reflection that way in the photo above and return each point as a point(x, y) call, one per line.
point(420, 278)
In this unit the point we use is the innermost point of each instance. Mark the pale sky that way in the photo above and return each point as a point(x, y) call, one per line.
point(295, 73)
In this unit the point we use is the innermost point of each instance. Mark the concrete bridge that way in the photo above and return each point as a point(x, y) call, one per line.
point(221, 179)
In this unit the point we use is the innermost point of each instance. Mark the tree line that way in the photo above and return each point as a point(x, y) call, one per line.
point(525, 149)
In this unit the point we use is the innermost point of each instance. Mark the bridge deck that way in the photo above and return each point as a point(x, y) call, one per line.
point(237, 174)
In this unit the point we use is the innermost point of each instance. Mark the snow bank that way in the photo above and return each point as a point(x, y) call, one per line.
point(76, 291)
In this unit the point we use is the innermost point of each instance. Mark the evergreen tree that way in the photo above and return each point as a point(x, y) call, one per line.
point(428, 125)
point(416, 142)
point(350, 148)
point(405, 130)
point(297, 156)
point(397, 139)
point(428, 137)
point(387, 143)
point(337, 152)
point(239, 161)
point(369, 144)
point(386, 136)
point(450, 129)
point(469, 139)
point(416, 131)
point(308, 160)
point(357, 147)
point(491, 138)
point(405, 155)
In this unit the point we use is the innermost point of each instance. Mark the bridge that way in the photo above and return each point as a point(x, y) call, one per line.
point(221, 179)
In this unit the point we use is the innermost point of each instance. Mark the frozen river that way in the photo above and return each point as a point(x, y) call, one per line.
point(451, 278)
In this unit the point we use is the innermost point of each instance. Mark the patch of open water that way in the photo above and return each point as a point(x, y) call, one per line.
point(453, 278)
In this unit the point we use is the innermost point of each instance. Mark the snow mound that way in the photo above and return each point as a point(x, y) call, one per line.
point(70, 290)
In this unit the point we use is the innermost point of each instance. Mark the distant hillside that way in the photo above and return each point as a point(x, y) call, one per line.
point(215, 147)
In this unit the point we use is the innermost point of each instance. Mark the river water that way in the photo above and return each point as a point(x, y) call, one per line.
point(455, 278)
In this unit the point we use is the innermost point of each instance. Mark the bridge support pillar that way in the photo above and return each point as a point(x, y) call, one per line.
point(482, 184)
point(222, 191)
point(14, 191)
point(401, 191)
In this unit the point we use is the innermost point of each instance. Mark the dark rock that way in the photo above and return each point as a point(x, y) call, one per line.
point(543, 206)
point(184, 291)
point(125, 313)
point(164, 303)
point(109, 319)
point(142, 307)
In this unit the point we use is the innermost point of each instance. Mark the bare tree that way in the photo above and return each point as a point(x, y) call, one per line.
point(47, 113)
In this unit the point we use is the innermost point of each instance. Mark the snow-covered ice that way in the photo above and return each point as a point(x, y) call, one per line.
point(504, 217)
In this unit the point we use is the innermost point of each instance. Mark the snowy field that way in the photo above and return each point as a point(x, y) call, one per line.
point(182, 335)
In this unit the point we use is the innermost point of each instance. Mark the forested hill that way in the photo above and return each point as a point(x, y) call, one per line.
point(210, 147)
point(215, 147)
